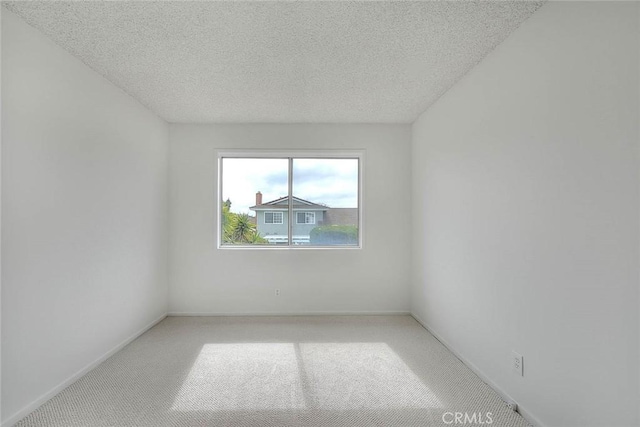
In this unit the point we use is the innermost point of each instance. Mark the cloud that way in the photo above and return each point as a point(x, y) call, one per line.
point(275, 179)
point(333, 182)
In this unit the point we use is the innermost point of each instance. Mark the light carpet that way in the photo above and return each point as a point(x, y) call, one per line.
point(279, 371)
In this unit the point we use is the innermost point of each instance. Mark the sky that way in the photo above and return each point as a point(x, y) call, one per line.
point(333, 182)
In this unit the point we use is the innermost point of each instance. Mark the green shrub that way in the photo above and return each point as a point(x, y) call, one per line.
point(334, 235)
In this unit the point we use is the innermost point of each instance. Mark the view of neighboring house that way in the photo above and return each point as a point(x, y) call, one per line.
point(272, 218)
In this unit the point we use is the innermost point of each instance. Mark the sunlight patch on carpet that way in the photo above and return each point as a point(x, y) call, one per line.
point(292, 376)
point(242, 376)
point(362, 376)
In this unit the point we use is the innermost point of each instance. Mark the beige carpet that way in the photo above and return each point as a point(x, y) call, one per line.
point(279, 371)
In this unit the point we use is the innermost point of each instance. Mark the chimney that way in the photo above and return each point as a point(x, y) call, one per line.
point(258, 198)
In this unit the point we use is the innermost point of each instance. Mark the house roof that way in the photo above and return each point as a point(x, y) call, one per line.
point(282, 204)
point(341, 216)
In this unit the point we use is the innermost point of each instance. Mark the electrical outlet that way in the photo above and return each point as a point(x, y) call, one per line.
point(517, 363)
point(277, 292)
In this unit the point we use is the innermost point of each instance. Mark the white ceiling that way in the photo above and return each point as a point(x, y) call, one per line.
point(283, 62)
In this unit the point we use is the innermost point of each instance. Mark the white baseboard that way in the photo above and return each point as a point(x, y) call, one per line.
point(525, 414)
point(73, 378)
point(305, 313)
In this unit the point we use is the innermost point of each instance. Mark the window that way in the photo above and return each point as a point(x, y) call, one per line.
point(259, 192)
point(306, 218)
point(273, 217)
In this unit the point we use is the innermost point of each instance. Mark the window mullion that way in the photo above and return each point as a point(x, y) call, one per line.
point(290, 204)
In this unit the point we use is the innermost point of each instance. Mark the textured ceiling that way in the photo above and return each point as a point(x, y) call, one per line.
point(279, 61)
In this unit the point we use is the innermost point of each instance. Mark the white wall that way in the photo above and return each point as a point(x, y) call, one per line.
point(209, 280)
point(84, 216)
point(0, 221)
point(525, 198)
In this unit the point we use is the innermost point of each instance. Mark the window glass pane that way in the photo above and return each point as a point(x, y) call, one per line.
point(310, 218)
point(273, 217)
point(254, 195)
point(325, 193)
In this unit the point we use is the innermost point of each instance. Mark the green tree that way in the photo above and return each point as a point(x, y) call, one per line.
point(226, 213)
point(334, 235)
point(238, 228)
point(241, 229)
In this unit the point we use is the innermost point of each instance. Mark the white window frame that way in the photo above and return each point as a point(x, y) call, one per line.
point(306, 216)
point(274, 217)
point(292, 155)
